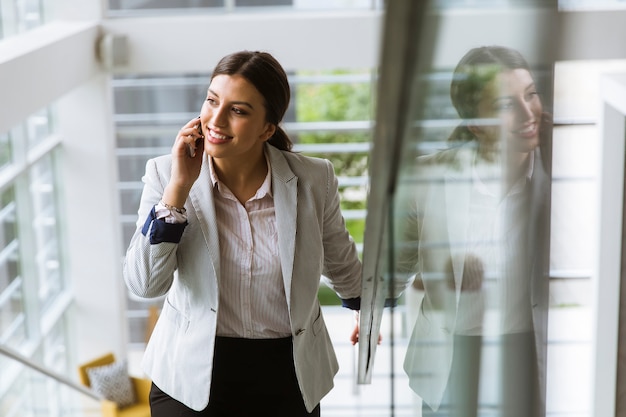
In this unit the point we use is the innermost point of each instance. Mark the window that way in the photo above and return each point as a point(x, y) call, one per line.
point(34, 297)
point(17, 16)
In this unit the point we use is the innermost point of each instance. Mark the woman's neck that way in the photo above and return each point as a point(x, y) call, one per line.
point(243, 180)
point(513, 165)
point(517, 164)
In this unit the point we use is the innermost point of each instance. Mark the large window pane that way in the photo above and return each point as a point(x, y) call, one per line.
point(25, 392)
point(31, 282)
point(46, 233)
point(13, 330)
point(38, 127)
point(5, 151)
point(17, 16)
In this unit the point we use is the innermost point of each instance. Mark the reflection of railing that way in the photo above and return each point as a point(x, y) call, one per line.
point(48, 372)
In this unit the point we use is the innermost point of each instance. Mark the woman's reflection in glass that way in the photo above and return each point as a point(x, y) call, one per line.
point(474, 239)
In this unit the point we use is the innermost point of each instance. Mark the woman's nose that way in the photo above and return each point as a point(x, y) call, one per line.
point(525, 110)
point(218, 116)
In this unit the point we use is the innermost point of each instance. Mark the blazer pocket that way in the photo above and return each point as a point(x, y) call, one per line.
point(318, 323)
point(175, 317)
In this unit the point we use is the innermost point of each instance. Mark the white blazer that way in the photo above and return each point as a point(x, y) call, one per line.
point(437, 211)
point(312, 240)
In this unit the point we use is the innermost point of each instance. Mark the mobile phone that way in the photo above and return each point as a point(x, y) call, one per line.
point(191, 150)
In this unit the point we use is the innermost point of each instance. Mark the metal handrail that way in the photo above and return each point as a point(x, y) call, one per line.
point(52, 374)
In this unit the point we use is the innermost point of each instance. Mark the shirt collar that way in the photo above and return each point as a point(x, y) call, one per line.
point(531, 166)
point(487, 176)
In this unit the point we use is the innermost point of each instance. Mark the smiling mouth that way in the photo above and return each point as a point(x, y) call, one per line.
point(528, 131)
point(218, 137)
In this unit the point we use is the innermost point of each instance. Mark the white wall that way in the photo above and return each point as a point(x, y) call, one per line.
point(39, 66)
point(311, 40)
point(609, 268)
point(92, 218)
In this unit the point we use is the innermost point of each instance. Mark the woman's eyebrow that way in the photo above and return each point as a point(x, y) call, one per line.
point(239, 103)
point(502, 98)
point(531, 86)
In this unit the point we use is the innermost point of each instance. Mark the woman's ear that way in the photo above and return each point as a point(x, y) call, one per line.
point(269, 132)
point(476, 131)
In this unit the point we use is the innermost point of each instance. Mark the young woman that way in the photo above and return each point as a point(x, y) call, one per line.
point(236, 231)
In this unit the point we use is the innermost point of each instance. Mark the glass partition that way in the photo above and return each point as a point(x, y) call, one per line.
point(456, 250)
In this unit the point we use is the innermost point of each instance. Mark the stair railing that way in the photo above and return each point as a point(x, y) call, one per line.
point(49, 372)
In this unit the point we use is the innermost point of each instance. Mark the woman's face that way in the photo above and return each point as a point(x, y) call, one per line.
point(512, 99)
point(233, 119)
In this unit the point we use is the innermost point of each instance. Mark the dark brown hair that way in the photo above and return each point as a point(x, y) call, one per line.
point(266, 74)
point(477, 68)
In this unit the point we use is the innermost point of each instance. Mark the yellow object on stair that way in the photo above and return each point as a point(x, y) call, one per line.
point(141, 408)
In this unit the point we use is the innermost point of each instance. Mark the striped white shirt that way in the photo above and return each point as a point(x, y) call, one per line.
point(252, 297)
point(497, 235)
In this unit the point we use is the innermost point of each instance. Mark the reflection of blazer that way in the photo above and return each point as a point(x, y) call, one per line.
point(312, 241)
point(438, 216)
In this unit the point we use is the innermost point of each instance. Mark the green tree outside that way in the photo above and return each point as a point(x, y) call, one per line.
point(339, 101)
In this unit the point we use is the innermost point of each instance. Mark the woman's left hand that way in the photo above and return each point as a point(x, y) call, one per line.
point(354, 337)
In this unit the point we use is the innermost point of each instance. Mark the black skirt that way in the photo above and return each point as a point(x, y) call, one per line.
point(251, 377)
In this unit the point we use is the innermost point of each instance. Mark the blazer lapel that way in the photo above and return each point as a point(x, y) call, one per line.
point(539, 236)
point(458, 185)
point(285, 192)
point(539, 191)
point(201, 196)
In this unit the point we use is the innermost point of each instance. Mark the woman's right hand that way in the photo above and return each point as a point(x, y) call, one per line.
point(186, 163)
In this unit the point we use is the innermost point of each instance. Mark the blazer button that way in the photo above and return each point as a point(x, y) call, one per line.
point(299, 332)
